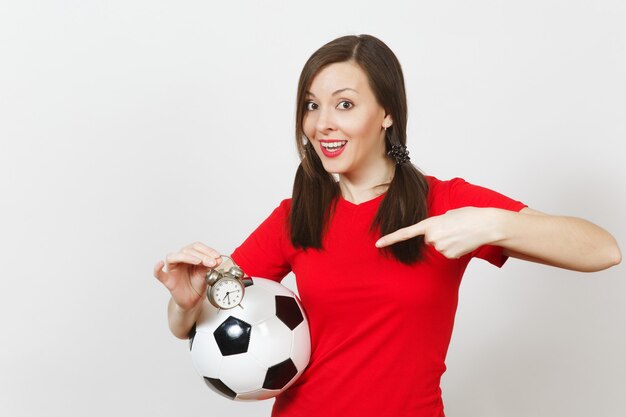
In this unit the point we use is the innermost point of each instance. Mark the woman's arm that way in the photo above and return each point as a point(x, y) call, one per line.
point(181, 321)
point(565, 242)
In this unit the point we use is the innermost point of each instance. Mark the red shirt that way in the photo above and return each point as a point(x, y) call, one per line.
point(380, 329)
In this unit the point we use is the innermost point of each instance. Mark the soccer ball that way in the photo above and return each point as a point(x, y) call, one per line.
point(255, 350)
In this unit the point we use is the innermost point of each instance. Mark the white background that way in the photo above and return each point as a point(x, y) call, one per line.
point(131, 128)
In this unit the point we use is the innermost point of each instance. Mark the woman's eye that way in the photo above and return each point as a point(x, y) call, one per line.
point(344, 105)
point(309, 105)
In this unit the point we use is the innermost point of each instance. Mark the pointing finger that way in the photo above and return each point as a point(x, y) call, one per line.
point(402, 234)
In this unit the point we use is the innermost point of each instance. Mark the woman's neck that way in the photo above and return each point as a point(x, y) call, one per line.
point(366, 186)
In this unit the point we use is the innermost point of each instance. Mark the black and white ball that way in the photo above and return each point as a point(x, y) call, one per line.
point(256, 350)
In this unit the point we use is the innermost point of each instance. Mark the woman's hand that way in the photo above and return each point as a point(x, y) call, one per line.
point(453, 234)
point(185, 273)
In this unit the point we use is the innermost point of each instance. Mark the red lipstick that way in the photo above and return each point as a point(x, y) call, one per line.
point(332, 148)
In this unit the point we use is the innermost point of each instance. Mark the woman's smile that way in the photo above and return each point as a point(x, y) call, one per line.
point(332, 147)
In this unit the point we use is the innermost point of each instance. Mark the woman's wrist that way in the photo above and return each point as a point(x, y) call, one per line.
point(498, 225)
point(181, 320)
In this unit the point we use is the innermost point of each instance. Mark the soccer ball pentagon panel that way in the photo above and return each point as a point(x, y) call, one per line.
point(256, 350)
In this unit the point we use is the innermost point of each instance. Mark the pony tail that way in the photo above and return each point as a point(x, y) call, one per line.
point(313, 197)
point(404, 205)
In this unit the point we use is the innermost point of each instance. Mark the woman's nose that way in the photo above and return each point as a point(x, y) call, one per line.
point(325, 121)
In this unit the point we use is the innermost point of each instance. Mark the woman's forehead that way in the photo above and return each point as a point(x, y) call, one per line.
point(339, 77)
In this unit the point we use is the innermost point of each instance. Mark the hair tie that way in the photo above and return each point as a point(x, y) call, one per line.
point(400, 153)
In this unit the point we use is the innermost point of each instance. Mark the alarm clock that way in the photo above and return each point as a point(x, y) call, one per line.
point(225, 288)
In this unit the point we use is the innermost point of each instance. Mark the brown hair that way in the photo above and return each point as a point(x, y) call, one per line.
point(315, 190)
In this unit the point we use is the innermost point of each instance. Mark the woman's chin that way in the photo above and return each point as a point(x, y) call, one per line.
point(333, 168)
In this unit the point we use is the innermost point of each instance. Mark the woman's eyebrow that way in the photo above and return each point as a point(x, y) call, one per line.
point(341, 90)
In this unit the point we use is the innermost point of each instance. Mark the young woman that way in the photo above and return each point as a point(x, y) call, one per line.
point(378, 249)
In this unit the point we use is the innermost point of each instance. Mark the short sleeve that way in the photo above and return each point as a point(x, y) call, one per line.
point(262, 254)
point(463, 194)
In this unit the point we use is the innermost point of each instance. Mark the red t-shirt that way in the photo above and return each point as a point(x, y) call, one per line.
point(380, 329)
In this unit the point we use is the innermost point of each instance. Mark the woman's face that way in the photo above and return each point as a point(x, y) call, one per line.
point(344, 121)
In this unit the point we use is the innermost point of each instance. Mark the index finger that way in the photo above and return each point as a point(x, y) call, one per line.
point(400, 235)
point(204, 249)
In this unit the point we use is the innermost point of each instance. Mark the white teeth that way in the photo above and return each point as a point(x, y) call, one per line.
point(333, 146)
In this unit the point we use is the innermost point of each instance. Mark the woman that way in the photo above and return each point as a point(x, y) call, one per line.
point(378, 249)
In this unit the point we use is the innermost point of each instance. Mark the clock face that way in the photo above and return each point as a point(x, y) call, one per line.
point(227, 293)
